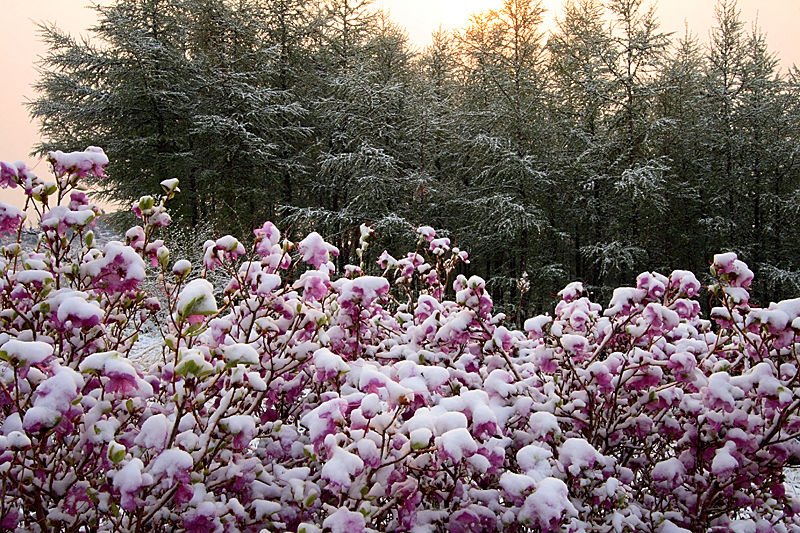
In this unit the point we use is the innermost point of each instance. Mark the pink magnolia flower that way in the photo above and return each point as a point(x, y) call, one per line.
point(202, 519)
point(685, 282)
point(571, 292)
point(315, 251)
point(78, 201)
point(129, 481)
point(654, 284)
point(426, 232)
point(10, 219)
point(243, 429)
point(122, 377)
point(224, 250)
point(11, 519)
point(386, 261)
point(8, 175)
point(120, 269)
point(91, 161)
point(738, 274)
point(315, 285)
point(440, 246)
point(345, 521)
point(463, 521)
point(267, 236)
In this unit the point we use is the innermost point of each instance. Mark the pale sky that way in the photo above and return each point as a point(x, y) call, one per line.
point(20, 47)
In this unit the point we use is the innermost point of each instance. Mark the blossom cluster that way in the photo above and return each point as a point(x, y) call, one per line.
point(295, 399)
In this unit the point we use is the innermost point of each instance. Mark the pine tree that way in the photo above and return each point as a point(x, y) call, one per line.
point(723, 85)
point(362, 169)
point(637, 175)
point(581, 86)
point(506, 220)
point(681, 110)
point(178, 89)
point(766, 128)
point(606, 150)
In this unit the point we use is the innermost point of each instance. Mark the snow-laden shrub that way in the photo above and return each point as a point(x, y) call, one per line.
point(303, 400)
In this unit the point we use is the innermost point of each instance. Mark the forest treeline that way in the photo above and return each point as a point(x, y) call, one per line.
point(590, 152)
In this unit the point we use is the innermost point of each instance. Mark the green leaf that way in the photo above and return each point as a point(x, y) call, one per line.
point(311, 499)
point(116, 452)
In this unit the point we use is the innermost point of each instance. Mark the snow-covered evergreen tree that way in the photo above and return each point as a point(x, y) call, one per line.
point(176, 89)
point(604, 148)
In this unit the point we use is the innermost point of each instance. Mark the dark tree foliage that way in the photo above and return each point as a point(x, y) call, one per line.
point(599, 150)
point(176, 89)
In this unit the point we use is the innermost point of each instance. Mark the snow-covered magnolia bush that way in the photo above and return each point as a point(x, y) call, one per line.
point(294, 398)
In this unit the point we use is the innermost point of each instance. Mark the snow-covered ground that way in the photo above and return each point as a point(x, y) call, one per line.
point(792, 481)
point(147, 350)
point(146, 353)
